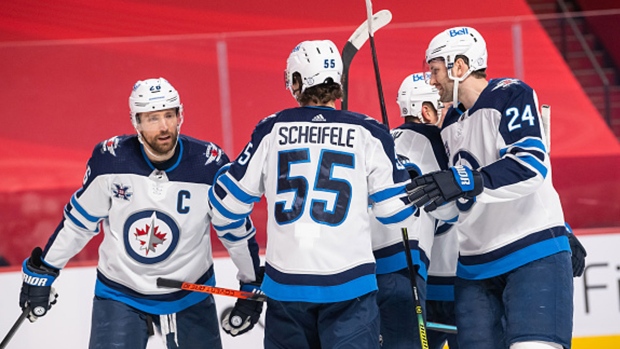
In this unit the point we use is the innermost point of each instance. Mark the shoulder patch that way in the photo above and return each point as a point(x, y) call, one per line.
point(110, 145)
point(503, 84)
point(213, 154)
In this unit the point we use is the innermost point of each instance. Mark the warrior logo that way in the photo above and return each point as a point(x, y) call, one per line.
point(110, 145)
point(150, 236)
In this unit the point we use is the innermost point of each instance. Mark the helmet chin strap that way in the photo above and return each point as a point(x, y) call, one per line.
point(455, 91)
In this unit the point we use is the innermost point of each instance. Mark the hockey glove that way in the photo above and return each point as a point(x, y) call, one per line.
point(245, 313)
point(578, 256)
point(37, 292)
point(437, 188)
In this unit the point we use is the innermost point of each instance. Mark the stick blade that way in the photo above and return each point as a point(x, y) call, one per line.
point(360, 35)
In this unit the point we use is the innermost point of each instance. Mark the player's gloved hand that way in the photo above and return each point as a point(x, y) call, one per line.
point(578, 257)
point(437, 188)
point(245, 313)
point(37, 292)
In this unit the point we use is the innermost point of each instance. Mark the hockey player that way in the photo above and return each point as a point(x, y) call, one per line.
point(420, 150)
point(318, 168)
point(147, 192)
point(514, 280)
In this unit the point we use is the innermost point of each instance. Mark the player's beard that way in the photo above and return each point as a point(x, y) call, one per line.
point(447, 91)
point(159, 148)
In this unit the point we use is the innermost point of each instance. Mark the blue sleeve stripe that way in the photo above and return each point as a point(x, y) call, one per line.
point(387, 193)
point(237, 192)
point(221, 209)
point(74, 220)
point(233, 225)
point(534, 162)
point(399, 217)
point(83, 212)
point(528, 143)
point(233, 238)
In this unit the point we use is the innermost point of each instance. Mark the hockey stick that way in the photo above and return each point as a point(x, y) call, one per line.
point(416, 299)
point(375, 62)
point(13, 329)
point(546, 121)
point(188, 286)
point(355, 42)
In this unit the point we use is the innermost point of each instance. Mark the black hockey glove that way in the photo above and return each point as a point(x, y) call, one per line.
point(578, 257)
point(37, 292)
point(245, 313)
point(437, 188)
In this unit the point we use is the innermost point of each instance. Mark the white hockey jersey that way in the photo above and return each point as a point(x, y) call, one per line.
point(156, 223)
point(419, 149)
point(318, 168)
point(518, 217)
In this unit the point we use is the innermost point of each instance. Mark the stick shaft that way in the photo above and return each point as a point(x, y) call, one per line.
point(375, 62)
point(416, 299)
point(188, 286)
point(15, 327)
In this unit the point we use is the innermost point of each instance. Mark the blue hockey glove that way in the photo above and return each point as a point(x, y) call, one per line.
point(37, 291)
point(245, 313)
point(578, 256)
point(437, 188)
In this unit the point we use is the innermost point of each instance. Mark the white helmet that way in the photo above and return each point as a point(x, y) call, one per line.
point(152, 95)
point(413, 92)
point(455, 41)
point(316, 61)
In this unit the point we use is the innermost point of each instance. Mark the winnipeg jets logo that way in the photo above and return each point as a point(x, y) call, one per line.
point(121, 191)
point(213, 153)
point(150, 236)
point(505, 83)
point(110, 145)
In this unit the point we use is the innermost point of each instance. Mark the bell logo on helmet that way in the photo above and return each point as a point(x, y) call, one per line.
point(457, 32)
point(418, 77)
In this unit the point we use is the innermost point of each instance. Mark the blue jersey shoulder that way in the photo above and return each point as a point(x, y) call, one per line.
point(502, 94)
point(196, 161)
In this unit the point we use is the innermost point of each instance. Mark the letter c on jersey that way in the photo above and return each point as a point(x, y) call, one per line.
point(150, 236)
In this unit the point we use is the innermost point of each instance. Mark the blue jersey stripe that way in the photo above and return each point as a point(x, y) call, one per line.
point(514, 260)
point(319, 294)
point(233, 225)
point(528, 143)
point(160, 304)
